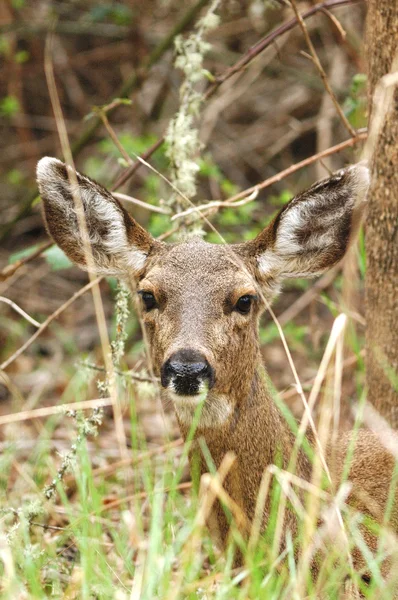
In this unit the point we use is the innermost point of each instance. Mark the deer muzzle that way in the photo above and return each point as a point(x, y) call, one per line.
point(186, 371)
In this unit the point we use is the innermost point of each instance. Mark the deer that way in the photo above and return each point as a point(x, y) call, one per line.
point(201, 304)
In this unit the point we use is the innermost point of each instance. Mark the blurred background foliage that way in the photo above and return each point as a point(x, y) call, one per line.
point(265, 118)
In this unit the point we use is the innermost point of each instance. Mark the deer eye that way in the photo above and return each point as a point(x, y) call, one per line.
point(148, 300)
point(244, 304)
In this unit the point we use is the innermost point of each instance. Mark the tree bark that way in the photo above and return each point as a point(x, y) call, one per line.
point(382, 221)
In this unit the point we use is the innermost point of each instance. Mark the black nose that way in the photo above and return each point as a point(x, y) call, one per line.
point(186, 370)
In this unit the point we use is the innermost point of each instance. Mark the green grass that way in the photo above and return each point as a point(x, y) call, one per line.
point(118, 531)
point(134, 533)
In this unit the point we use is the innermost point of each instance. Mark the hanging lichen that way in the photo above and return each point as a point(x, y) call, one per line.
point(182, 137)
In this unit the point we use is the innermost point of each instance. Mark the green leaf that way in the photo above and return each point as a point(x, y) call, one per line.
point(282, 199)
point(22, 253)
point(208, 168)
point(115, 12)
point(15, 177)
point(131, 144)
point(22, 57)
point(4, 46)
point(9, 106)
point(57, 259)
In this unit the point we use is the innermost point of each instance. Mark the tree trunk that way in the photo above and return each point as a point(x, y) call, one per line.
point(382, 221)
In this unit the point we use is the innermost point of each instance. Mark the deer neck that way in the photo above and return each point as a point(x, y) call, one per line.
point(256, 433)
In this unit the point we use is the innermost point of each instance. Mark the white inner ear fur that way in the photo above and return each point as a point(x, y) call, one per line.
point(282, 257)
point(115, 243)
point(119, 252)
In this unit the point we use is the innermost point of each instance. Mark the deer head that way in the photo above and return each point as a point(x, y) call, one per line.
point(201, 302)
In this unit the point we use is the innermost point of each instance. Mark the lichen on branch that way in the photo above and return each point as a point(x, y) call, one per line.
point(182, 137)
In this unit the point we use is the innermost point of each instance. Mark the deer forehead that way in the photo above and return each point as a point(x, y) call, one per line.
point(195, 266)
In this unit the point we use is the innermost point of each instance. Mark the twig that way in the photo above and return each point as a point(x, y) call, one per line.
point(9, 270)
point(141, 203)
point(250, 55)
point(47, 411)
point(214, 204)
point(129, 172)
point(24, 29)
point(133, 460)
point(321, 70)
point(185, 485)
point(130, 374)
point(336, 23)
point(266, 41)
point(360, 135)
point(19, 310)
point(102, 115)
point(290, 313)
point(349, 362)
point(47, 322)
point(125, 90)
point(251, 193)
point(45, 527)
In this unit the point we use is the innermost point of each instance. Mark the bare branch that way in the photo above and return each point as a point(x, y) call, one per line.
point(266, 41)
point(250, 55)
point(128, 374)
point(131, 84)
point(9, 270)
point(216, 204)
point(47, 411)
point(19, 310)
point(49, 320)
point(141, 203)
point(321, 70)
point(300, 304)
point(359, 136)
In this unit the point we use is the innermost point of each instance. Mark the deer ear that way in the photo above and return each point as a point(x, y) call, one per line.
point(117, 242)
point(313, 231)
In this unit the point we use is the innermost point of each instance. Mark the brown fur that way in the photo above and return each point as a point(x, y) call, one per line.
point(196, 286)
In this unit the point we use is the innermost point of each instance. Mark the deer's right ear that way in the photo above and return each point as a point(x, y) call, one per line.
point(118, 244)
point(313, 231)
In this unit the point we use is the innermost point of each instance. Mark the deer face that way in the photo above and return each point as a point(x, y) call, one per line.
point(200, 308)
point(201, 302)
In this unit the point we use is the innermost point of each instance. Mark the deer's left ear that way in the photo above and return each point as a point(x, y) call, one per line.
point(119, 245)
point(313, 231)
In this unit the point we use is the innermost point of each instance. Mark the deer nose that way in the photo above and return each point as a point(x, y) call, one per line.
point(185, 371)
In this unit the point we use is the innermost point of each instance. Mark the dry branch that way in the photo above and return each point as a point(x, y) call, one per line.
point(251, 193)
point(271, 37)
point(9, 270)
point(250, 55)
point(360, 136)
point(47, 411)
point(49, 320)
point(19, 310)
point(321, 70)
point(157, 53)
point(24, 30)
point(133, 82)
